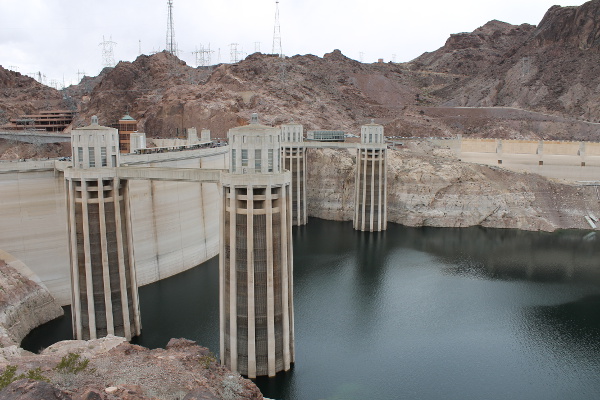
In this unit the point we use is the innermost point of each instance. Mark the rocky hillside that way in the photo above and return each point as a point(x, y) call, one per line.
point(433, 189)
point(552, 67)
point(166, 95)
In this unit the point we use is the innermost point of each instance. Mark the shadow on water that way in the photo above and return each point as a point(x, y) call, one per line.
point(507, 254)
point(185, 305)
point(49, 333)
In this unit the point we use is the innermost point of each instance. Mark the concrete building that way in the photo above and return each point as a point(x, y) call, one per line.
point(137, 141)
point(293, 157)
point(371, 180)
point(126, 126)
point(256, 264)
point(103, 278)
point(94, 146)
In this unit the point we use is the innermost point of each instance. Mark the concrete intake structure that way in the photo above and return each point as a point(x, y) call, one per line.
point(256, 263)
point(293, 156)
point(103, 283)
point(370, 212)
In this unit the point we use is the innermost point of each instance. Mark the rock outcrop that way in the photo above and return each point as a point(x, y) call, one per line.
point(111, 368)
point(24, 304)
point(437, 190)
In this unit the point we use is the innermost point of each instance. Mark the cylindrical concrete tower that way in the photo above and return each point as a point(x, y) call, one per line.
point(103, 282)
point(255, 266)
point(293, 156)
point(370, 204)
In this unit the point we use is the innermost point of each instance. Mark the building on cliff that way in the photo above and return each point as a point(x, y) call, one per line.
point(256, 264)
point(370, 206)
point(104, 288)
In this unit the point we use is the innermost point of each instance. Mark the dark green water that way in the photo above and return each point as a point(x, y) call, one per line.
point(414, 313)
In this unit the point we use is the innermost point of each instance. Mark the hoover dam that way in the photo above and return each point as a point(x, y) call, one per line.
point(175, 224)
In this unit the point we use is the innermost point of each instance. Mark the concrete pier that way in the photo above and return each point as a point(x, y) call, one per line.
point(103, 283)
point(256, 263)
point(371, 180)
point(293, 156)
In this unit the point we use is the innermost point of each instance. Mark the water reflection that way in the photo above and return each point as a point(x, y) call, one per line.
point(508, 253)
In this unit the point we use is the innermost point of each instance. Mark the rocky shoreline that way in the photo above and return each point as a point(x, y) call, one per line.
point(111, 368)
point(433, 188)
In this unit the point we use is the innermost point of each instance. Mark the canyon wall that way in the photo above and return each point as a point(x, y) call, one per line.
point(437, 190)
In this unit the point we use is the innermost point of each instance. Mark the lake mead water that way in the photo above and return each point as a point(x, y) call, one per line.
point(414, 313)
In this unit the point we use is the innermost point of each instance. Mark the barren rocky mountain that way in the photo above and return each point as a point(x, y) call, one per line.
point(551, 70)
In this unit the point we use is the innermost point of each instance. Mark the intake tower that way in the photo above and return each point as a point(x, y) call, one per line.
point(255, 267)
point(103, 282)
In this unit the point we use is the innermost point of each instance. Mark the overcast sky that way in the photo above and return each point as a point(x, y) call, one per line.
point(61, 37)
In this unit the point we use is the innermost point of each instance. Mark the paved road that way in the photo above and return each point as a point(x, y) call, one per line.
point(35, 137)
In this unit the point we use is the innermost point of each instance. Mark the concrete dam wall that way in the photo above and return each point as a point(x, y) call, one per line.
point(175, 224)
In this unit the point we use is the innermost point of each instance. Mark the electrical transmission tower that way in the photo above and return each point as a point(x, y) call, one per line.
point(108, 57)
point(234, 54)
point(277, 33)
point(257, 47)
point(203, 56)
point(80, 75)
point(171, 45)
